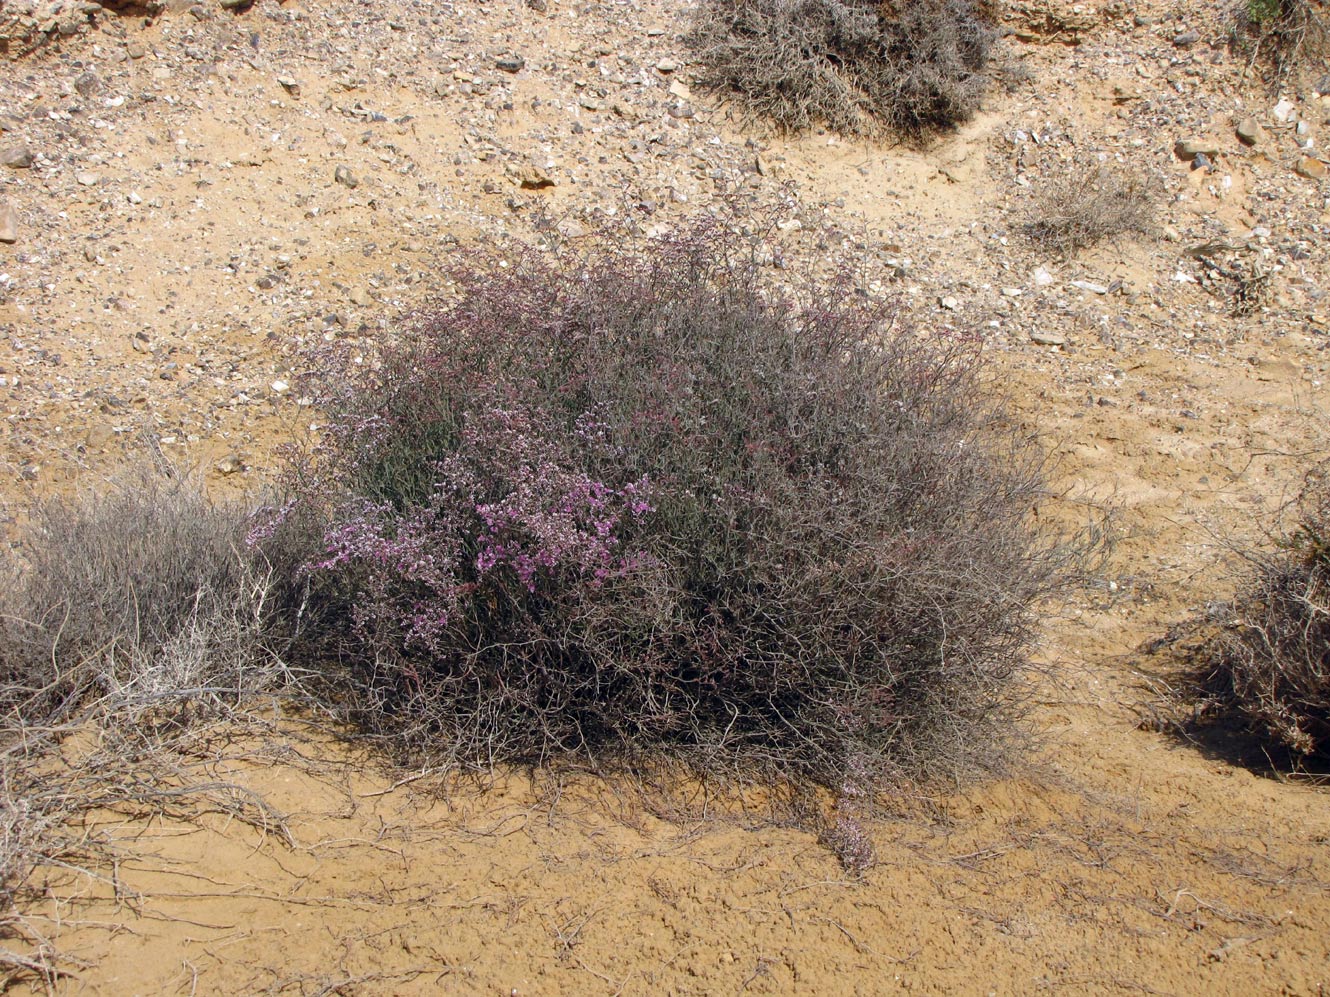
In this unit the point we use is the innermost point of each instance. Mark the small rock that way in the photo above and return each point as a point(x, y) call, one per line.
point(678, 88)
point(510, 63)
point(1202, 162)
point(280, 387)
point(16, 157)
point(8, 223)
point(667, 66)
point(531, 177)
point(345, 177)
point(1042, 278)
point(1086, 285)
point(1047, 338)
point(1284, 111)
point(1188, 149)
point(88, 84)
point(539, 6)
point(290, 84)
point(98, 436)
point(1323, 85)
point(1311, 168)
point(1186, 39)
point(230, 464)
point(948, 303)
point(359, 296)
point(88, 178)
point(1249, 131)
point(135, 50)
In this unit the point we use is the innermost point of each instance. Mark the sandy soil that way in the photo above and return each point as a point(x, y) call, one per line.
point(181, 236)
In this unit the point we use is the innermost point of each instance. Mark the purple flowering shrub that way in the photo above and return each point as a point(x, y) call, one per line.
point(645, 504)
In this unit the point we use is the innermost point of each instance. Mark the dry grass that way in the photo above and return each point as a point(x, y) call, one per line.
point(1291, 38)
point(128, 622)
point(1270, 663)
point(853, 65)
point(1079, 207)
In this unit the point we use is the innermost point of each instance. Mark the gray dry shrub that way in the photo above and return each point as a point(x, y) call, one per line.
point(1271, 663)
point(128, 621)
point(855, 66)
point(146, 594)
point(1290, 38)
point(1076, 208)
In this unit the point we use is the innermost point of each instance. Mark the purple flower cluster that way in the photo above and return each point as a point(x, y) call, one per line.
point(509, 504)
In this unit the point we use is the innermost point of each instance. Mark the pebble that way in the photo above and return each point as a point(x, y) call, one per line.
point(97, 437)
point(1047, 338)
point(230, 464)
point(1093, 288)
point(88, 178)
point(510, 63)
point(531, 177)
point(8, 223)
point(345, 177)
point(949, 303)
point(1250, 132)
point(1188, 149)
point(290, 84)
point(1186, 39)
point(1311, 168)
point(1284, 111)
point(16, 157)
point(667, 66)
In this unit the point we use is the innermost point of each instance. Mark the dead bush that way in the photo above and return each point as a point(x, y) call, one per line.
point(858, 66)
point(129, 619)
point(1270, 662)
point(1076, 208)
point(1288, 37)
point(144, 595)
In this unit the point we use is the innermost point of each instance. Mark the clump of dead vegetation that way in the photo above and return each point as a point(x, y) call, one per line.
point(857, 66)
point(1076, 208)
point(1289, 38)
point(1270, 661)
point(130, 621)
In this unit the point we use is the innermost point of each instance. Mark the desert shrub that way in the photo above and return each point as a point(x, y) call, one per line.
point(1076, 208)
point(1271, 663)
point(1286, 36)
point(855, 65)
point(641, 506)
point(143, 595)
point(128, 619)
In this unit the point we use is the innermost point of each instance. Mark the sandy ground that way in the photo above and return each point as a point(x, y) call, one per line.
point(182, 236)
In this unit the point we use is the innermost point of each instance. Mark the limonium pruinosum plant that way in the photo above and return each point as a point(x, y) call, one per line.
point(649, 502)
